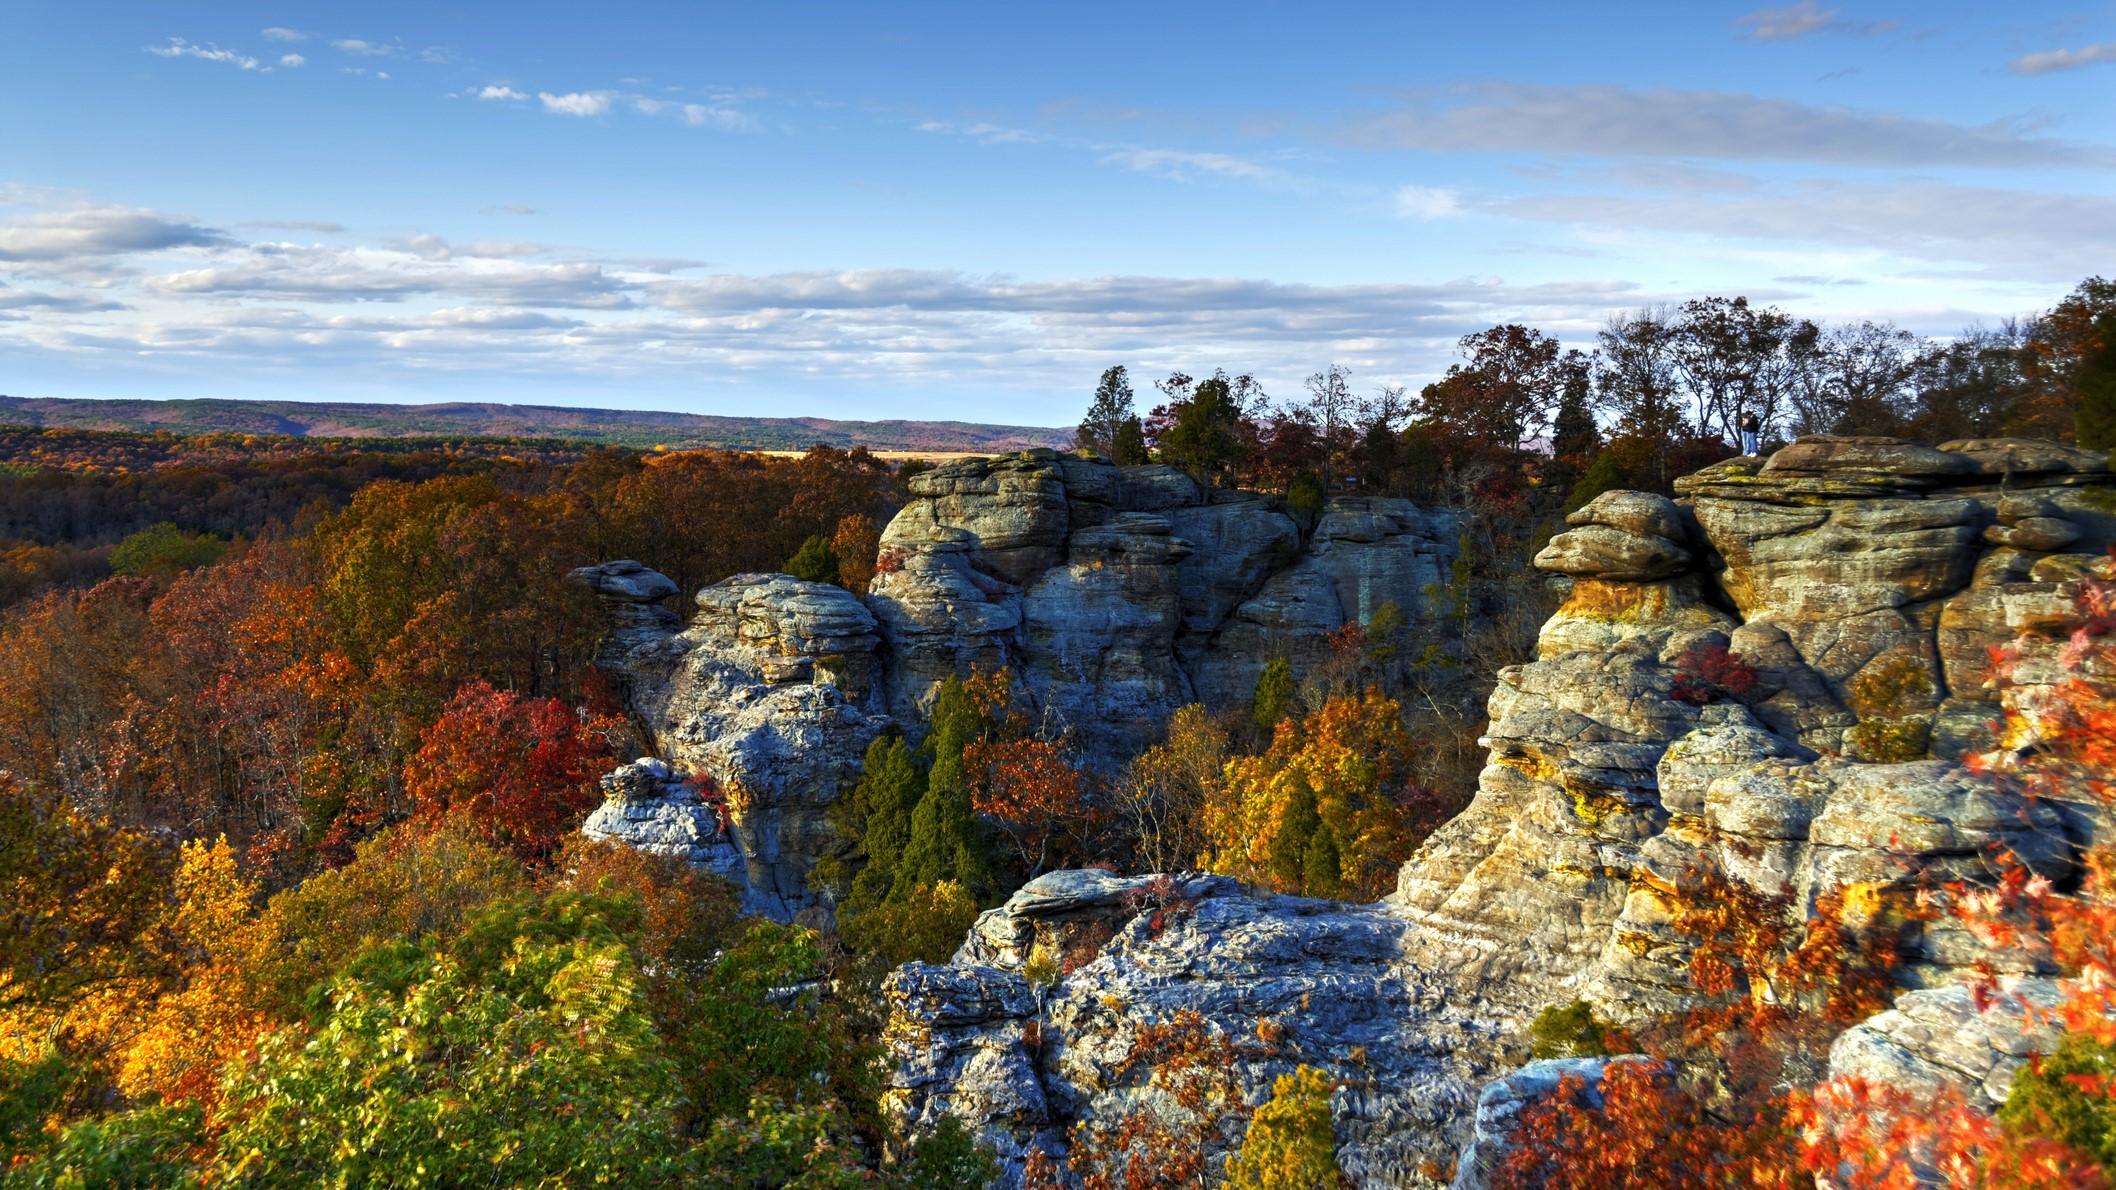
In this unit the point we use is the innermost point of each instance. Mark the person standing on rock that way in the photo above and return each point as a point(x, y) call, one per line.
point(1751, 429)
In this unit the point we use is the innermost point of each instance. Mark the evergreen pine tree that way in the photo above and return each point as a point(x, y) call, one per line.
point(1274, 694)
point(1322, 866)
point(880, 809)
point(1289, 847)
point(1105, 420)
point(1574, 438)
point(946, 840)
point(1130, 449)
point(1604, 476)
point(1204, 438)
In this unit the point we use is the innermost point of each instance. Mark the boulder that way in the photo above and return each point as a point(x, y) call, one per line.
point(1949, 1039)
point(648, 807)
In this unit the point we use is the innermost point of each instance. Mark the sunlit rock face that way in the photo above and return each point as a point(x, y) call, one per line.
point(1114, 595)
point(1773, 679)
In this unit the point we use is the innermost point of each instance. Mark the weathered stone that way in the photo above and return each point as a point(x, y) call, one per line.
point(1641, 514)
point(1832, 454)
point(2033, 533)
point(1598, 551)
point(1013, 507)
point(1851, 579)
point(625, 581)
point(1940, 1039)
point(647, 807)
point(2029, 458)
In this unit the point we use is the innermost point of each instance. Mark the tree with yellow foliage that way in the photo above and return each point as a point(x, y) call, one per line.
point(1290, 1145)
point(215, 1013)
point(1329, 810)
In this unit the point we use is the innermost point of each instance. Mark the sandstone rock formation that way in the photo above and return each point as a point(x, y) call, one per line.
point(1940, 1039)
point(1114, 594)
point(649, 808)
point(1772, 678)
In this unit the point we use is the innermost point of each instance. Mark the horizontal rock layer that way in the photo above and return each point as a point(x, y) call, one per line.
point(1114, 594)
point(1772, 680)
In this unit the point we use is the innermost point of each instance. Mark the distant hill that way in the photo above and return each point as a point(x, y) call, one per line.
point(613, 427)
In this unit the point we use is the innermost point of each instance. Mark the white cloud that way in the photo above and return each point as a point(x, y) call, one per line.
point(83, 232)
point(1784, 24)
point(181, 292)
point(179, 48)
point(2051, 61)
point(2014, 233)
point(1614, 121)
point(498, 91)
point(577, 103)
point(1795, 21)
point(292, 60)
point(507, 208)
point(1427, 202)
point(717, 117)
point(364, 49)
point(1182, 165)
point(282, 33)
point(20, 299)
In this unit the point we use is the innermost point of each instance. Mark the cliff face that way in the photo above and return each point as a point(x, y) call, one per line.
point(1861, 582)
point(1114, 594)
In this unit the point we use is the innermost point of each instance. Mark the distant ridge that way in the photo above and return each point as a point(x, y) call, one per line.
point(611, 427)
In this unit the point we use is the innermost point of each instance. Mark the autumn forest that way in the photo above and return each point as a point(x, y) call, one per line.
point(297, 735)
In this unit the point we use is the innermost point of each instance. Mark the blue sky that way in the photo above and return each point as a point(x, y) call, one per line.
point(968, 210)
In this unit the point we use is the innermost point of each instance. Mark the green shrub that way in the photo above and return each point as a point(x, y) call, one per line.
point(1568, 1031)
point(814, 562)
point(1606, 474)
point(1306, 496)
point(164, 551)
point(2045, 1102)
point(1290, 1144)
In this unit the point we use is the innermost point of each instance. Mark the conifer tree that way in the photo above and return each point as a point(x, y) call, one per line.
point(1204, 439)
point(2095, 422)
point(946, 841)
point(1274, 694)
point(1574, 438)
point(1130, 448)
point(814, 562)
point(1104, 424)
point(880, 811)
point(1322, 866)
point(1297, 827)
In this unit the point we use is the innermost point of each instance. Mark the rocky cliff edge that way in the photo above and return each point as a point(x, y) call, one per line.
point(1772, 679)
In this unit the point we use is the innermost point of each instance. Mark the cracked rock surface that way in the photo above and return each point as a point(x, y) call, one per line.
point(1857, 580)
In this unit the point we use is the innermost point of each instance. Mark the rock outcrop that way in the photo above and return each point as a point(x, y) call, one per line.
point(1771, 679)
point(1115, 595)
point(649, 808)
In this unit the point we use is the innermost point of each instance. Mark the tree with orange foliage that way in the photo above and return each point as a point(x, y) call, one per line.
point(1714, 1110)
point(1039, 801)
point(1330, 809)
point(857, 543)
point(1177, 1141)
point(524, 770)
point(82, 905)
